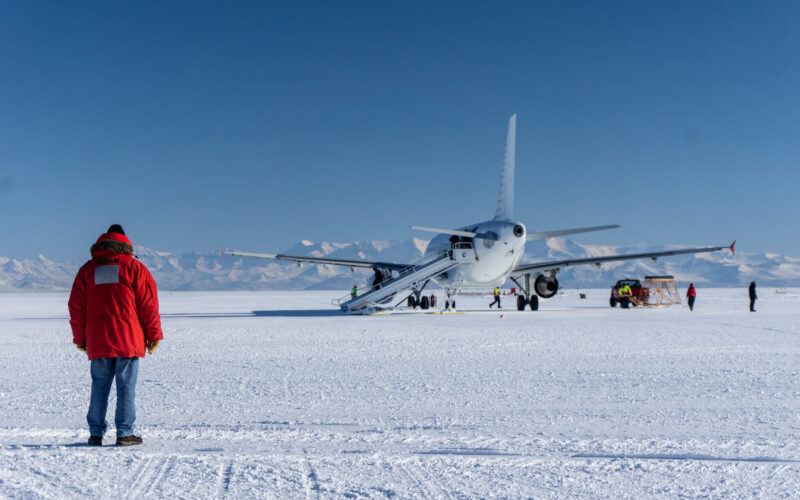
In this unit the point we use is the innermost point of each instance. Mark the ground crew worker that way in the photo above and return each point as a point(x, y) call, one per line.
point(113, 311)
point(354, 292)
point(625, 290)
point(691, 293)
point(753, 297)
point(496, 298)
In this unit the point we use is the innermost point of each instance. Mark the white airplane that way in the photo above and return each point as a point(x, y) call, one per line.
point(480, 255)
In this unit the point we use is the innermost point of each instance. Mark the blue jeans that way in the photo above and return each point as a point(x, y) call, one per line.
point(126, 370)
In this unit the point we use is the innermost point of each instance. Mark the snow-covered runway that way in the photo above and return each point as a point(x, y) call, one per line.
point(276, 394)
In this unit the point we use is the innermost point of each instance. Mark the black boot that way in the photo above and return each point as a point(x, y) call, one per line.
point(129, 440)
point(95, 441)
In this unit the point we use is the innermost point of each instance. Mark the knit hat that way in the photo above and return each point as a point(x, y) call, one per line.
point(115, 228)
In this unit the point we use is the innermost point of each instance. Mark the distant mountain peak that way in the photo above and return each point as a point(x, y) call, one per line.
point(420, 244)
point(211, 271)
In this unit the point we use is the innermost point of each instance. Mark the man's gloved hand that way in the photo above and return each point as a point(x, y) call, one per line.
point(81, 348)
point(152, 345)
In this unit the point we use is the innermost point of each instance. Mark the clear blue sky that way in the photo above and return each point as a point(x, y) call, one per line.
point(255, 125)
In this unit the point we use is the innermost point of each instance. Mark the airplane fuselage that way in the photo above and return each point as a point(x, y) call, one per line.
point(498, 247)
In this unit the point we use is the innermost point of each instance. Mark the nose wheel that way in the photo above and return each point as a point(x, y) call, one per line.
point(450, 298)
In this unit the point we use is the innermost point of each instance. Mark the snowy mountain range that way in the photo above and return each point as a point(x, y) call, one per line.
point(210, 271)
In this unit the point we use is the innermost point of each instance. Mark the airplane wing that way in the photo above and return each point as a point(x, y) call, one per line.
point(544, 266)
point(564, 232)
point(321, 260)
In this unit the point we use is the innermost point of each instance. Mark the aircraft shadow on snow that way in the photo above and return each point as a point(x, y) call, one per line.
point(289, 313)
point(296, 313)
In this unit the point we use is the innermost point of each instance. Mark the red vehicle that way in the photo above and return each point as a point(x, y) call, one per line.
point(638, 294)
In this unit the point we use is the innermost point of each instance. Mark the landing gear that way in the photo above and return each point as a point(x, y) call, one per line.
point(450, 298)
point(526, 298)
point(416, 299)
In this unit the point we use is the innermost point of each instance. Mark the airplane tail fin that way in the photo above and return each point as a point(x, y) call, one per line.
point(505, 201)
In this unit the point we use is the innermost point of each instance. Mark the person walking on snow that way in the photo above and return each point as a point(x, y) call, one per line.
point(753, 297)
point(496, 298)
point(691, 293)
point(113, 311)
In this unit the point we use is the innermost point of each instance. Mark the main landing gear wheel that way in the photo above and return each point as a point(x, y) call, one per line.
point(534, 303)
point(424, 303)
point(521, 303)
point(412, 302)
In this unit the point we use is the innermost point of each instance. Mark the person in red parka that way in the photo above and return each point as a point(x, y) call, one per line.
point(691, 293)
point(113, 311)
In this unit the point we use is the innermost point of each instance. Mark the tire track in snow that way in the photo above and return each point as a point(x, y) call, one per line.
point(433, 480)
point(415, 480)
point(224, 478)
point(51, 483)
point(309, 478)
point(134, 476)
point(167, 464)
point(140, 475)
point(44, 490)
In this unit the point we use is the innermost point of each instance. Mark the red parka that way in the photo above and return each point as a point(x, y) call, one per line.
point(113, 306)
point(691, 292)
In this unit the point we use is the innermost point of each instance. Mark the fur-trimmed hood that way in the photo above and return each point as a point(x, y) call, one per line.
point(112, 244)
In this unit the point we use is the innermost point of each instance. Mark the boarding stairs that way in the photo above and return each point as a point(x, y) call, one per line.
point(412, 278)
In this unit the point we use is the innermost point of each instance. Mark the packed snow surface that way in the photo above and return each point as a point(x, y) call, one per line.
point(277, 394)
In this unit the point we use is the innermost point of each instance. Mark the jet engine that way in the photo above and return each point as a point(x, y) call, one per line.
point(545, 287)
